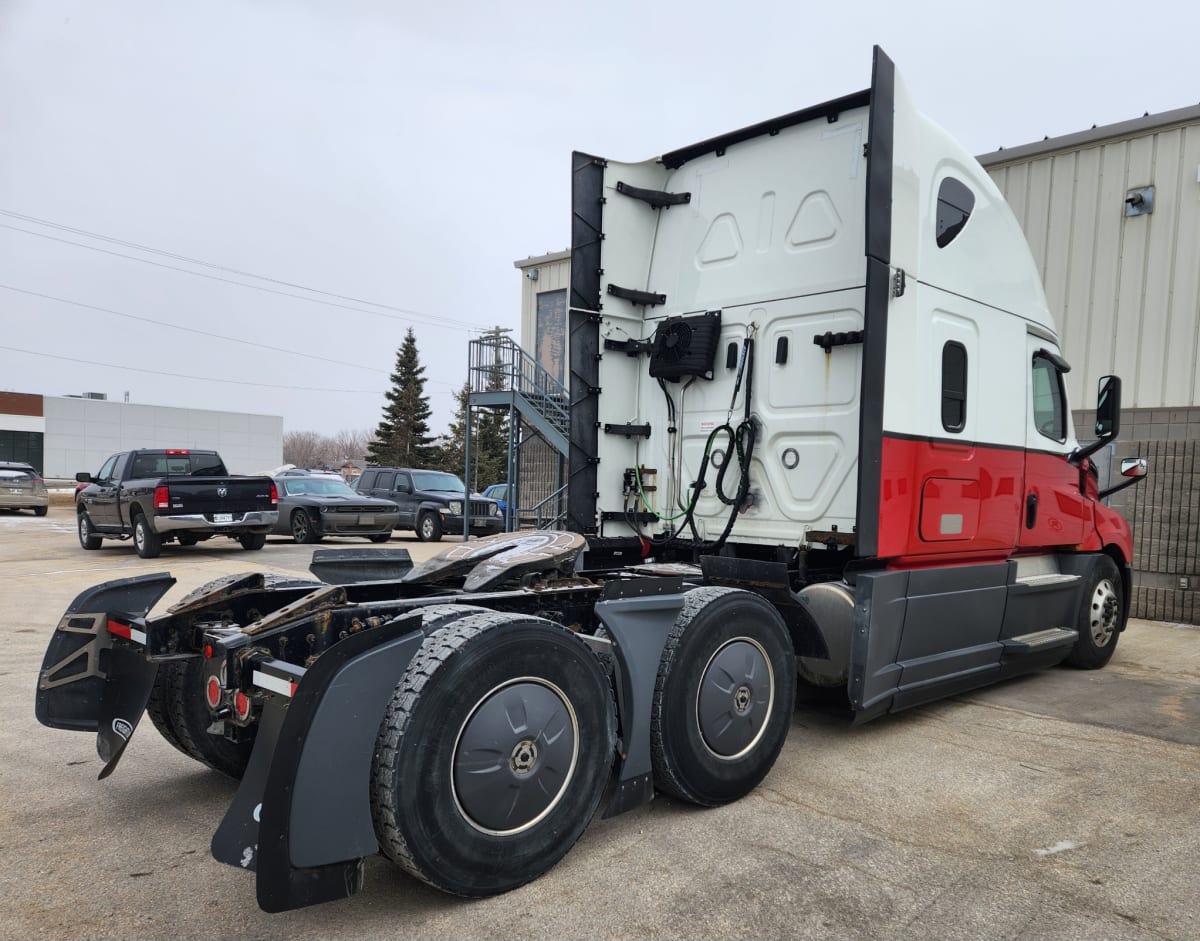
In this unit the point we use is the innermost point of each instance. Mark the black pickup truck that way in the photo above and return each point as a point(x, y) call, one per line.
point(172, 494)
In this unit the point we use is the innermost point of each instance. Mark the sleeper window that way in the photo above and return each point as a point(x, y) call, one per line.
point(954, 205)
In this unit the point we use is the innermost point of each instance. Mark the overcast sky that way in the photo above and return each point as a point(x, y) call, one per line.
point(406, 154)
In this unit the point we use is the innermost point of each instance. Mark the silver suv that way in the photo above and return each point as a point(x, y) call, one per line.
point(22, 488)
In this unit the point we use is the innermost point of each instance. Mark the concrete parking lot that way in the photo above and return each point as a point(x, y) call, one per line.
point(1063, 805)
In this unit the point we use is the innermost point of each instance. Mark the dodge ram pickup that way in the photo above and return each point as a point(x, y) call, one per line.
point(163, 495)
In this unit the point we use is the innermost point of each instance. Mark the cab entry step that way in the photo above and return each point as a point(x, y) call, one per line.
point(1039, 641)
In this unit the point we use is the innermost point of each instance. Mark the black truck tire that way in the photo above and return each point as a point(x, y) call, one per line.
point(146, 541)
point(724, 696)
point(304, 529)
point(445, 809)
point(1101, 617)
point(179, 712)
point(429, 527)
point(87, 532)
point(380, 537)
point(251, 541)
point(41, 510)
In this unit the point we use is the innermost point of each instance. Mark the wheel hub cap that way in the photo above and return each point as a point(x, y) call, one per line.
point(515, 756)
point(735, 697)
point(1104, 612)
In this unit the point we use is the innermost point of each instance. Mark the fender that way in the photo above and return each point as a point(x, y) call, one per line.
point(302, 816)
point(74, 677)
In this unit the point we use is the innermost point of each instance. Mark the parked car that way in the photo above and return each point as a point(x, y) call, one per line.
point(313, 506)
point(431, 502)
point(162, 495)
point(499, 493)
point(22, 488)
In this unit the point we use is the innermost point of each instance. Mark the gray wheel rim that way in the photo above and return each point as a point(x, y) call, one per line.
point(85, 529)
point(733, 703)
point(427, 526)
point(299, 527)
point(515, 756)
point(1104, 611)
point(139, 535)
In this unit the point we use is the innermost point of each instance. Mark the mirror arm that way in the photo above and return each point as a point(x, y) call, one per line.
point(1121, 486)
point(1076, 456)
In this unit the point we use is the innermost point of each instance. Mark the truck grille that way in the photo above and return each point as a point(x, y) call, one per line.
point(355, 509)
point(479, 508)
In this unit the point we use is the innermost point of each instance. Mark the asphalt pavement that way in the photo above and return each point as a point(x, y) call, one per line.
point(1062, 805)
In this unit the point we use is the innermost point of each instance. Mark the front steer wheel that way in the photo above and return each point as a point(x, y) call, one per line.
point(429, 527)
point(493, 754)
point(253, 540)
point(87, 533)
point(1101, 617)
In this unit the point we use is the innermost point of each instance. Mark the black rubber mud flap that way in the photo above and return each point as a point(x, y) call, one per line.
point(307, 781)
point(75, 668)
point(122, 704)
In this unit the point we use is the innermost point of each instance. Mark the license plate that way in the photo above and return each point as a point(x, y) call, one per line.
point(222, 517)
point(366, 520)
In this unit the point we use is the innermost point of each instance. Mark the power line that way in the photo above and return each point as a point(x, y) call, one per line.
point(177, 375)
point(413, 316)
point(208, 264)
point(203, 333)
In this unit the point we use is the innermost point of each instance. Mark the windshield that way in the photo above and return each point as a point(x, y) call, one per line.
point(322, 486)
point(434, 480)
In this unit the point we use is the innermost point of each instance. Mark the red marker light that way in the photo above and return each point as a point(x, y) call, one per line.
point(207, 650)
point(241, 705)
point(213, 692)
point(120, 630)
point(177, 451)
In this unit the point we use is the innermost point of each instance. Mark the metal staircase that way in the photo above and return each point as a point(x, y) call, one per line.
point(503, 377)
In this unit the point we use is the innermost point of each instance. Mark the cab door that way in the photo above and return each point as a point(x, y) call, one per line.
point(1054, 511)
point(100, 499)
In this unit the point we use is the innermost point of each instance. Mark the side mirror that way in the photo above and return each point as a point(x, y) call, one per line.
point(83, 477)
point(1108, 407)
point(1134, 467)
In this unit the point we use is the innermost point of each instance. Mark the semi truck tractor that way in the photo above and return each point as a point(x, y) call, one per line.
point(819, 434)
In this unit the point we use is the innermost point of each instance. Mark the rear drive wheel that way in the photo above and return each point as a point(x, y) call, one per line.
point(178, 710)
point(429, 527)
point(147, 542)
point(87, 533)
point(1101, 617)
point(41, 510)
point(724, 697)
point(493, 754)
point(253, 540)
point(304, 528)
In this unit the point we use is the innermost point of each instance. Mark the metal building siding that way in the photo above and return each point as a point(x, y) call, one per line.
point(1125, 291)
point(553, 275)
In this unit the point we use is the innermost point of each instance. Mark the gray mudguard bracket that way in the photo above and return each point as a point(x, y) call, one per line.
point(639, 627)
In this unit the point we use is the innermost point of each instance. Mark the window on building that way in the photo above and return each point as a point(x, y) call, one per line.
point(551, 341)
point(954, 386)
point(1049, 402)
point(954, 205)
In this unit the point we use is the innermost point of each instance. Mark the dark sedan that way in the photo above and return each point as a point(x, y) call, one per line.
point(312, 507)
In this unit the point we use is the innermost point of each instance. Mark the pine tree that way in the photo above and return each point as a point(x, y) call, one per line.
point(402, 438)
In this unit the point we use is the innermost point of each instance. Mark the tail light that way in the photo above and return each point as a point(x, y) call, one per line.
point(274, 495)
point(162, 498)
point(241, 705)
point(212, 692)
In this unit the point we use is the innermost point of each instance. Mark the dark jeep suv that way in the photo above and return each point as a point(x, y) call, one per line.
point(431, 502)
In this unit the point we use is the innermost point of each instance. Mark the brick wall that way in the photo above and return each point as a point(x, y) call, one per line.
point(1163, 510)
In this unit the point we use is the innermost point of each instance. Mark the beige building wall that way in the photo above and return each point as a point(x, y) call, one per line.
point(1125, 289)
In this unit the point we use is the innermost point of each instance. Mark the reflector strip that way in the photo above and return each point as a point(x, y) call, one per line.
point(124, 630)
point(273, 683)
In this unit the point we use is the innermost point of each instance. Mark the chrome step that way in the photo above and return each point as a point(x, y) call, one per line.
point(1039, 641)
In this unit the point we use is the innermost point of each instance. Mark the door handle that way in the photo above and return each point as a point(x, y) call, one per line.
point(1030, 510)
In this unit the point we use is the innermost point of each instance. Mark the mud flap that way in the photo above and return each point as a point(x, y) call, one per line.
point(302, 816)
point(122, 703)
point(76, 668)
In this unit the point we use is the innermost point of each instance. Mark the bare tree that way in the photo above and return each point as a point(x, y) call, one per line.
point(306, 449)
point(351, 445)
